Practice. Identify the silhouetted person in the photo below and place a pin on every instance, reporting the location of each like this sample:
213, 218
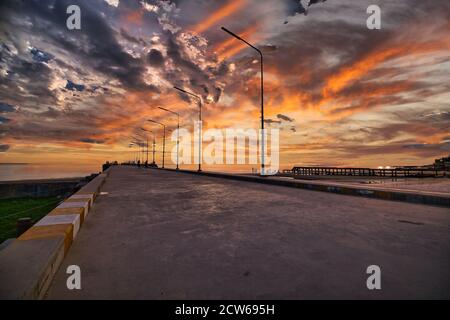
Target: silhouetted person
139, 163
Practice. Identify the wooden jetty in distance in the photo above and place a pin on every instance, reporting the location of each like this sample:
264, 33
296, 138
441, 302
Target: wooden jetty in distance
397, 172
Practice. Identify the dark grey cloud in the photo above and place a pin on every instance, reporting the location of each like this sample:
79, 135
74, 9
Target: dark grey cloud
200, 81
430, 148
155, 58
94, 141
73, 86
40, 56
5, 107
4, 120
438, 116
24, 79
51, 113
218, 93
270, 121
4, 147
284, 117
221, 70
297, 6
95, 44
71, 125
131, 38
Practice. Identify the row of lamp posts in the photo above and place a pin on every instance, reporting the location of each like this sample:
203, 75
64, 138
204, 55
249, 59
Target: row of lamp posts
200, 115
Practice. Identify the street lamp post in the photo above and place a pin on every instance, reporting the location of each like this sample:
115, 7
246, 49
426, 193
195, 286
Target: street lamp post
178, 130
262, 93
146, 144
199, 127
131, 146
153, 160
138, 142
153, 144
136, 154
164, 139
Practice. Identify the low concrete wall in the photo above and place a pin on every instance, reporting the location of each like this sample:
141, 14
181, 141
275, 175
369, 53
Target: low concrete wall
38, 188
27, 265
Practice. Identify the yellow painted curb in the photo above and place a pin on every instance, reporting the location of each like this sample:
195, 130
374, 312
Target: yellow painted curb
87, 194
64, 211
39, 232
92, 194
87, 199
87, 204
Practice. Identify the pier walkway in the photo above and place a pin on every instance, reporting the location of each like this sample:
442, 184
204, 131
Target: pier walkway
156, 234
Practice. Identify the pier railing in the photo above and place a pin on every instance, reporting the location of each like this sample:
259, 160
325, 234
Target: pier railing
367, 172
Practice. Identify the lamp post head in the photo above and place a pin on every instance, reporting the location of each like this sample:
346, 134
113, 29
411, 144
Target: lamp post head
167, 110
161, 124
239, 38
231, 33
189, 93
179, 89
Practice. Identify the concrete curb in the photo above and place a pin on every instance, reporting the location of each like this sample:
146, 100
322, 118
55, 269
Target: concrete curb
417, 197
28, 265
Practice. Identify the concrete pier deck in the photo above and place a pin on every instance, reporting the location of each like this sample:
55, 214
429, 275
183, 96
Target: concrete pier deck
166, 235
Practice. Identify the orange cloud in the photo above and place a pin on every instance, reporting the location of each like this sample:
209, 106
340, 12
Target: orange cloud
232, 46
128, 113
225, 11
134, 17
356, 71
232, 51
230, 42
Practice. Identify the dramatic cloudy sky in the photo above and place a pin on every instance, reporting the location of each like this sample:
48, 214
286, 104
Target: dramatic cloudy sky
340, 93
